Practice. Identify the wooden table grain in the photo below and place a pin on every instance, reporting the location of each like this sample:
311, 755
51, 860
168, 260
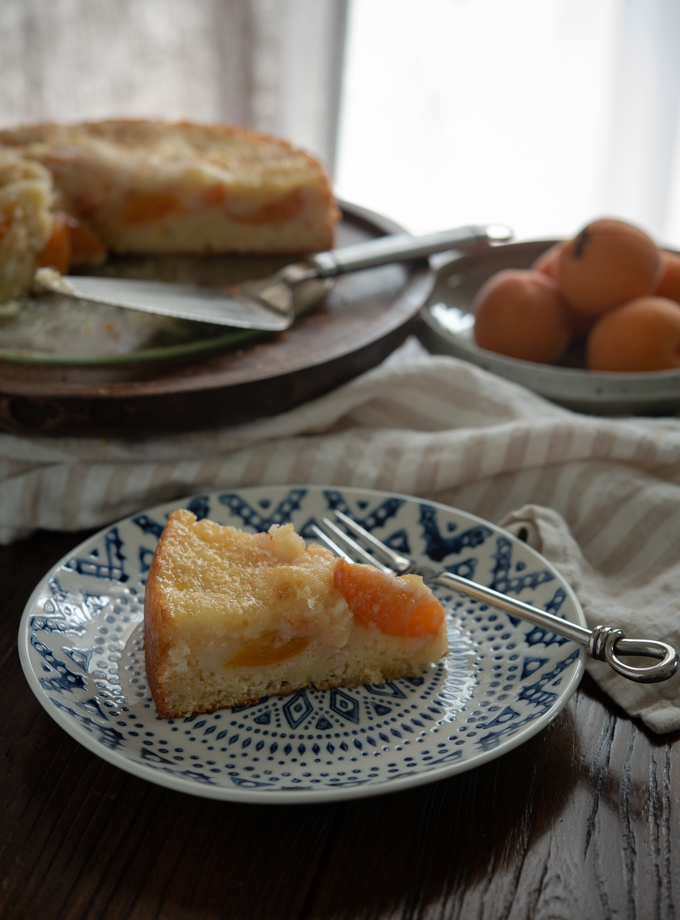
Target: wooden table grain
580, 822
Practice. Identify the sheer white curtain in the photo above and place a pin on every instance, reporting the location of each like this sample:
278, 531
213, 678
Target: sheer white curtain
538, 113
268, 64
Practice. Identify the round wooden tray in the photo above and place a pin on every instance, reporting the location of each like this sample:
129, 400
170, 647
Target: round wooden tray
364, 318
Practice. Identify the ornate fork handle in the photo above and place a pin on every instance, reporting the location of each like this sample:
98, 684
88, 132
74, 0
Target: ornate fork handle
604, 643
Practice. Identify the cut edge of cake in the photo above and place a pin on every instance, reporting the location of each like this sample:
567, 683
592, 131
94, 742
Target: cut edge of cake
26, 199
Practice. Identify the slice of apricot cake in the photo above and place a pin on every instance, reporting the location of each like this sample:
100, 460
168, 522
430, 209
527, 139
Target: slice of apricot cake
231, 617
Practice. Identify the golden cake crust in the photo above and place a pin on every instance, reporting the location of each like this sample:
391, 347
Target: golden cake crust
155, 639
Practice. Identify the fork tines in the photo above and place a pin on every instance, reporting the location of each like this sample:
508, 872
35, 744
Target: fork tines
348, 548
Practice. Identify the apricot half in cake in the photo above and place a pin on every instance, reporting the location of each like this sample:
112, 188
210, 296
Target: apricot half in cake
231, 617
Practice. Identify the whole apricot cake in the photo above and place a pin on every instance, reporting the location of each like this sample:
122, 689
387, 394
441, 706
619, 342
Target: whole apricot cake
159, 187
231, 617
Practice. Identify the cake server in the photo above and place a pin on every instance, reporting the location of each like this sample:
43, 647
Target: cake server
269, 304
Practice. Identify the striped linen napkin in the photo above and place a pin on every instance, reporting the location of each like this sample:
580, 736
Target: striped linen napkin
599, 497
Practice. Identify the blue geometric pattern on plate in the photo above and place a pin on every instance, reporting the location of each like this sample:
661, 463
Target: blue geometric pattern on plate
81, 643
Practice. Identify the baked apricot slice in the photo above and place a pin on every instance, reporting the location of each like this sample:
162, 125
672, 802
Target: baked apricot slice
267, 649
395, 606
214, 196
85, 244
608, 263
56, 253
521, 314
70, 242
643, 335
281, 209
145, 207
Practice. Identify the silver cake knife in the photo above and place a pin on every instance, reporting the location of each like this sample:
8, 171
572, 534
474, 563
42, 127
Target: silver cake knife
270, 304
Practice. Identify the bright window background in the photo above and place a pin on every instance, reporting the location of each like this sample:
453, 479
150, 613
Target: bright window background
541, 114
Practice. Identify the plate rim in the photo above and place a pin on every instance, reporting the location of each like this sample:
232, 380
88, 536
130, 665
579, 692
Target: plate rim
294, 797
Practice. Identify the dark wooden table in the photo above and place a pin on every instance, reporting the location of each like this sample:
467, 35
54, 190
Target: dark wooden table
580, 822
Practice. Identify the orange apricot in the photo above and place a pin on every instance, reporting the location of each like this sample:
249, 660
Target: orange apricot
146, 207
394, 606
7, 218
214, 195
280, 209
669, 282
268, 649
521, 314
642, 335
85, 244
608, 263
547, 261
70, 241
56, 253
579, 323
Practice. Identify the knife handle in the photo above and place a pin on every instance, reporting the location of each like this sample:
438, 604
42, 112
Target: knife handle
403, 247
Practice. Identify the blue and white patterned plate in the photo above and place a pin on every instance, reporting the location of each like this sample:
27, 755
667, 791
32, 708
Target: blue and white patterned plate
81, 646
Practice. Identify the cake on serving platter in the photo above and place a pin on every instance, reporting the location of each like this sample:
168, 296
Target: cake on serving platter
231, 617
160, 187
155, 187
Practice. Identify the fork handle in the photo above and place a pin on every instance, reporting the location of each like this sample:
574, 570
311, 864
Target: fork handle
604, 643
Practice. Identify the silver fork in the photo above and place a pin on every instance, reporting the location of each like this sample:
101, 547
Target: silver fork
604, 643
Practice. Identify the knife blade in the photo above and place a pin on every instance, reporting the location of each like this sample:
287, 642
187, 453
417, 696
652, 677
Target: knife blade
185, 301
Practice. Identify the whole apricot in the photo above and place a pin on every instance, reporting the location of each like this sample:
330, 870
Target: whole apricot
579, 323
608, 263
521, 314
669, 282
642, 335
547, 261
